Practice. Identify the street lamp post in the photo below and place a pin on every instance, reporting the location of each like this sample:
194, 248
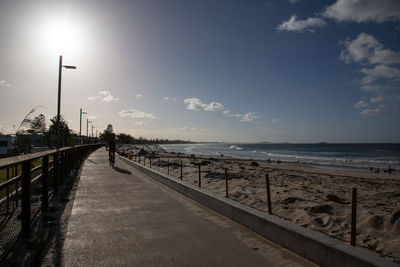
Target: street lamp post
59, 98
80, 121
87, 127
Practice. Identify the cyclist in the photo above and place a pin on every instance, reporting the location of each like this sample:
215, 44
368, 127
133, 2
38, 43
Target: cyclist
111, 150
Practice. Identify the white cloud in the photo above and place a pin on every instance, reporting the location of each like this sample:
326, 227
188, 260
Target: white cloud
237, 115
274, 120
366, 49
293, 24
104, 96
194, 129
4, 83
380, 71
377, 99
377, 88
364, 10
249, 116
138, 96
361, 104
226, 112
135, 114
196, 104
139, 123
168, 99
373, 111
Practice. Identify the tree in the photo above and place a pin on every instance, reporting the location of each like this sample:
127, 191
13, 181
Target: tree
108, 134
38, 124
67, 138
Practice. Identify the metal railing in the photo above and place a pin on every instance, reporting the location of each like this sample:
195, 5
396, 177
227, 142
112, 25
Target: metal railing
26, 184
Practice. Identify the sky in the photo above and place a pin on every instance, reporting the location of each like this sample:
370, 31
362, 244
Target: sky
296, 71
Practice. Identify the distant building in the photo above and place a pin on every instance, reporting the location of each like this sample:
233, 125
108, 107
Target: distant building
7, 144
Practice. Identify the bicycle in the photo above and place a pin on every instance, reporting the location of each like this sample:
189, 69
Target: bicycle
111, 158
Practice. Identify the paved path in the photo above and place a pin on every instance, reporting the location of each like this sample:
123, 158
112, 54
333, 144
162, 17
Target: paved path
121, 217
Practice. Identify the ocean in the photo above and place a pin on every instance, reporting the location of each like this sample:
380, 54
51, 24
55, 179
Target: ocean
339, 155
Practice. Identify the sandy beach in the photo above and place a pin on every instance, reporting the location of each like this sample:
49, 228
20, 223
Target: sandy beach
310, 196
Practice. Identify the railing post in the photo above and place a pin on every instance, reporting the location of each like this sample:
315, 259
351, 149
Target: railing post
55, 173
8, 191
150, 162
16, 186
26, 200
45, 183
226, 183
62, 167
268, 193
66, 169
353, 217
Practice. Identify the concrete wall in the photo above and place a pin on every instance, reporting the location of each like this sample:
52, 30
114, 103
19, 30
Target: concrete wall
312, 245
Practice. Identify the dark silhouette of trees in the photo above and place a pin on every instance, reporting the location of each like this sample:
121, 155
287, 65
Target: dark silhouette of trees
38, 124
67, 138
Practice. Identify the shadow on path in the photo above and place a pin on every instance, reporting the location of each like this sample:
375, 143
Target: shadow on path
122, 170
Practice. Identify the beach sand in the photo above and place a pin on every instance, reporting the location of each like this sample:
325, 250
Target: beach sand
312, 197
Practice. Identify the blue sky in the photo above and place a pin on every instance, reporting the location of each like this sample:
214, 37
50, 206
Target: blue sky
248, 71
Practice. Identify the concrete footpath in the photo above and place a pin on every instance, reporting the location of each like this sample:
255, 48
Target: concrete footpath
121, 217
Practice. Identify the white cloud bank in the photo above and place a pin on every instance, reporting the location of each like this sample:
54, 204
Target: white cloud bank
364, 10
366, 49
380, 76
196, 104
104, 96
135, 114
294, 24
249, 116
4, 83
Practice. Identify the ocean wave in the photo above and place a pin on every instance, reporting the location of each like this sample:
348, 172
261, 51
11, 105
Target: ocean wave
235, 147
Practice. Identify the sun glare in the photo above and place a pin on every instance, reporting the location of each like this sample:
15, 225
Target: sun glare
62, 36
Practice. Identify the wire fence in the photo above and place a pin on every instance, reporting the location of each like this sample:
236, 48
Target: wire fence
312, 204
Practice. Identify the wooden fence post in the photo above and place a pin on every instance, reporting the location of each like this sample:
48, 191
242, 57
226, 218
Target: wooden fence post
353, 216
45, 183
26, 200
226, 183
199, 176
181, 171
268, 193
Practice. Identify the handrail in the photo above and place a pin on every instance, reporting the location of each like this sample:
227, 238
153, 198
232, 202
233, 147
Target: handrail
23, 158
16, 193
10, 182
